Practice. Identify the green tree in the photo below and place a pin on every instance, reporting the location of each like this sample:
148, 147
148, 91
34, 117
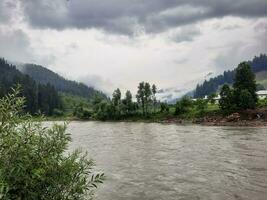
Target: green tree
128, 102
116, 100
243, 95
245, 100
116, 97
226, 102
148, 94
245, 80
33, 161
140, 96
154, 99
183, 105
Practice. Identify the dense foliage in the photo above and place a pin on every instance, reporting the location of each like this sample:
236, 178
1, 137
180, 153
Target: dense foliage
243, 95
188, 108
33, 161
44, 76
259, 63
121, 108
39, 98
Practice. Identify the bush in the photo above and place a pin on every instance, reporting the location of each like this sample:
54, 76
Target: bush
164, 108
201, 106
86, 113
33, 162
183, 106
262, 102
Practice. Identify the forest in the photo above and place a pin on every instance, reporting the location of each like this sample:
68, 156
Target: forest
40, 98
44, 76
259, 63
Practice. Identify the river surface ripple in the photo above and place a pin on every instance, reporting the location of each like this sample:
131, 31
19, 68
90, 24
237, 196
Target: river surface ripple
150, 161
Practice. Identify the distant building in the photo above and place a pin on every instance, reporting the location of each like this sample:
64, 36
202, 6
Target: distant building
216, 98
262, 94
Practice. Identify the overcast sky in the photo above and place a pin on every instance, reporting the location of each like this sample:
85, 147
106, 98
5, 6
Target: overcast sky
118, 43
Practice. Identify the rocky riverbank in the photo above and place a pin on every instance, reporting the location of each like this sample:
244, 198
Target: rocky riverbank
257, 117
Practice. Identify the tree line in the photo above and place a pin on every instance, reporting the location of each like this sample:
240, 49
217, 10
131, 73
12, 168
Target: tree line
118, 107
242, 95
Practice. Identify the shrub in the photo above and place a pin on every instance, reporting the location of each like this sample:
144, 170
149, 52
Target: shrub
164, 108
183, 106
34, 163
201, 106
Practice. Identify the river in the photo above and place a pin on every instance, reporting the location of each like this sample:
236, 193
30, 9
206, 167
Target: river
150, 161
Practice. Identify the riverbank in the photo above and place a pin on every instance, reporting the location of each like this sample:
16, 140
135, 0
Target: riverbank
206, 121
257, 117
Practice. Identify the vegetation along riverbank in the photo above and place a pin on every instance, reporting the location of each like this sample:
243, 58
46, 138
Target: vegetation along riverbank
238, 105
229, 99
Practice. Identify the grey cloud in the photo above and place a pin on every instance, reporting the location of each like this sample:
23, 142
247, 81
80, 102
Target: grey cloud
261, 27
180, 61
229, 58
185, 34
6, 10
15, 44
128, 17
221, 26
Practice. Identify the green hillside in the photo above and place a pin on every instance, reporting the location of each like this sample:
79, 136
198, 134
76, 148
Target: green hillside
40, 98
44, 76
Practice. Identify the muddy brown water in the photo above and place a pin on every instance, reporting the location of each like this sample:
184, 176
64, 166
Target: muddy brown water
150, 161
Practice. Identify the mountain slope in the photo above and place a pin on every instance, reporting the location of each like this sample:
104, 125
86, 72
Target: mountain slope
39, 97
44, 76
258, 64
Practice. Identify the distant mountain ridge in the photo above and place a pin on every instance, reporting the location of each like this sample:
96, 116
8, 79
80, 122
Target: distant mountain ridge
44, 76
258, 64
